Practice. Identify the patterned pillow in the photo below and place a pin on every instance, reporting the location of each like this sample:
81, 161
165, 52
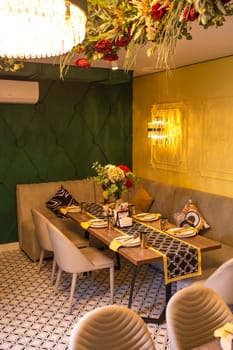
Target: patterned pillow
62, 198
142, 200
191, 216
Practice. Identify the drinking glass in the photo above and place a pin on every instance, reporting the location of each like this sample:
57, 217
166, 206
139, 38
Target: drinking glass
163, 223
143, 239
83, 208
110, 222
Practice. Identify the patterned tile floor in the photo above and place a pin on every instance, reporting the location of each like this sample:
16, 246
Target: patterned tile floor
33, 317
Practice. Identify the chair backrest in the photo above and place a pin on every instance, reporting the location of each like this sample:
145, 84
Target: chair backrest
68, 257
221, 281
112, 327
193, 314
40, 222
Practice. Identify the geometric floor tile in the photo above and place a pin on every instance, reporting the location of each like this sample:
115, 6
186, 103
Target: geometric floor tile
33, 317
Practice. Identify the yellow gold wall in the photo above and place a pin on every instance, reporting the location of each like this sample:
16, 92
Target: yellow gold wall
204, 158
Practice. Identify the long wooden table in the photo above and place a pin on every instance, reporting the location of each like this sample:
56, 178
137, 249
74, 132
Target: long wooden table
140, 256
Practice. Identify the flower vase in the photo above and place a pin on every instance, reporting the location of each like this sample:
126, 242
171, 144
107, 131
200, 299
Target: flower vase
118, 203
106, 201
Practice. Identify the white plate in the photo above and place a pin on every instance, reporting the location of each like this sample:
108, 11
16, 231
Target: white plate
181, 232
74, 209
128, 241
97, 223
147, 217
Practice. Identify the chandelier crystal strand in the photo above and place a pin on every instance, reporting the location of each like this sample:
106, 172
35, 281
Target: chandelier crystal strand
39, 28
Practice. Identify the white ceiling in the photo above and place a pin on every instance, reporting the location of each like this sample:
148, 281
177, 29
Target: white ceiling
207, 44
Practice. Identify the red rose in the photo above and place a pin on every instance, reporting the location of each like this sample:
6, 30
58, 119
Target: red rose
158, 11
111, 57
103, 46
124, 168
189, 14
122, 42
82, 63
129, 183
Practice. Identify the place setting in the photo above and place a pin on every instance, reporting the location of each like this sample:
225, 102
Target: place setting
94, 223
182, 232
125, 241
147, 217
70, 209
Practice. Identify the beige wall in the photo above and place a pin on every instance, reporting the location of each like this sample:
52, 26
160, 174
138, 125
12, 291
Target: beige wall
204, 158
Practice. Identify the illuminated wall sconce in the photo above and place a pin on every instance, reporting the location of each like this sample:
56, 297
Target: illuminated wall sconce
166, 133
157, 130
165, 127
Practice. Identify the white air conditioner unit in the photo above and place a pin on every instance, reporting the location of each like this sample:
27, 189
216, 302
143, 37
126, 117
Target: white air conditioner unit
15, 91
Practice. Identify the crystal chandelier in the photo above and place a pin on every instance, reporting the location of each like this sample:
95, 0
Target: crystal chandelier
40, 28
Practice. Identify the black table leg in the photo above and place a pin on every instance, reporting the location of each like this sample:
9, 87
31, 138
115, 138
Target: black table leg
162, 317
118, 264
168, 293
132, 285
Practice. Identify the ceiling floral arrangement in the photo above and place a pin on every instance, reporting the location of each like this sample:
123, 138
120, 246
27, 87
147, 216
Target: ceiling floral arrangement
114, 25
130, 24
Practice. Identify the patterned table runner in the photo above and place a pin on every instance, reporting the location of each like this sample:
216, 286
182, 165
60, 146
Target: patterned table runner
181, 260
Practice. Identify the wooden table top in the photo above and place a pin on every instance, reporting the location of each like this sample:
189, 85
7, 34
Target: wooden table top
138, 255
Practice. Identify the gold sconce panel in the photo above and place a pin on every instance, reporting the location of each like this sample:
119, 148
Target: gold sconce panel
166, 132
165, 125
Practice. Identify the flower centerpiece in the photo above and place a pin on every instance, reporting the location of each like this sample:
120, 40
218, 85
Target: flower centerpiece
114, 179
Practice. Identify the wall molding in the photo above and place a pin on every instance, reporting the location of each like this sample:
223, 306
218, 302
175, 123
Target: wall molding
217, 145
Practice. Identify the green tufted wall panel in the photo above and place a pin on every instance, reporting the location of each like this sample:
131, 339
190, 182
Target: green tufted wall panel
73, 125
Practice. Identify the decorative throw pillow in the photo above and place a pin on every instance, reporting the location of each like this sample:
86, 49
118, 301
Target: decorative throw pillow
62, 198
142, 200
191, 216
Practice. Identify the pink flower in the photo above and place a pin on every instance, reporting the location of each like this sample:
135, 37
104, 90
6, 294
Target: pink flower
103, 46
82, 63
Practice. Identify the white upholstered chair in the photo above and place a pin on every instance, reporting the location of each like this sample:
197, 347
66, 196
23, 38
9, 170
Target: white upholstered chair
193, 314
219, 279
71, 259
112, 327
40, 222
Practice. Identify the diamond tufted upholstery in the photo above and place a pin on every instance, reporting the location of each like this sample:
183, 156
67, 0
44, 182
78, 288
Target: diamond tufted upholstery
72, 125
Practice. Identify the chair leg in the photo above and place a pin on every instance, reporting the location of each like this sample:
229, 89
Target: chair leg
112, 284
41, 259
58, 279
72, 290
53, 270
